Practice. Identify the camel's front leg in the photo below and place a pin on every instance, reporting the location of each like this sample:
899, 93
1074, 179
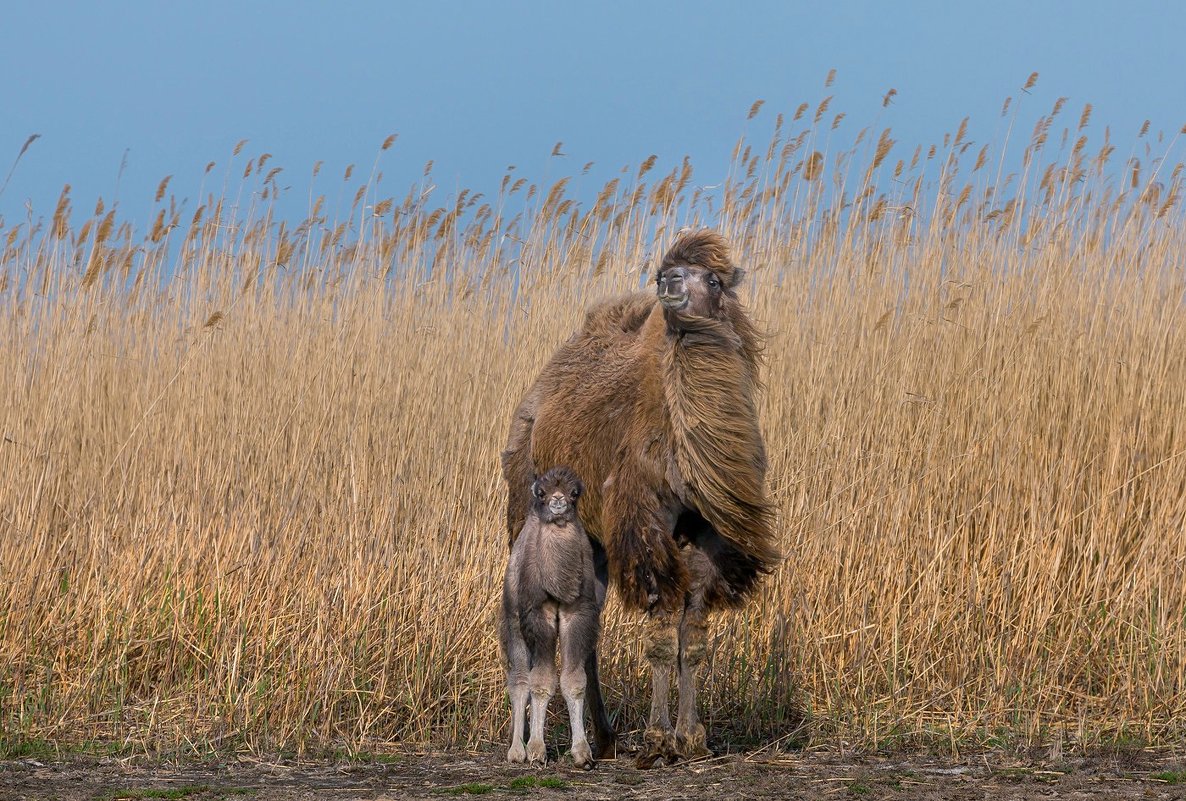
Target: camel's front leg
662, 646
693, 637
517, 688
652, 576
541, 680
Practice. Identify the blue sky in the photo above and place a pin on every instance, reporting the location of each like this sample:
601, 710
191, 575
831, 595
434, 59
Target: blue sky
480, 85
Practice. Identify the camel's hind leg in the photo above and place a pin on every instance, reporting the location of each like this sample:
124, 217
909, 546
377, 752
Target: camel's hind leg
689, 731
578, 636
662, 648
701, 553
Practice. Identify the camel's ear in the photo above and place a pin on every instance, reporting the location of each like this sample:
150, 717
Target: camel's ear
737, 277
537, 490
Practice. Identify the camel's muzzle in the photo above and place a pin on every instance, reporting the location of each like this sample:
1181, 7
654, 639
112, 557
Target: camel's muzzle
673, 290
557, 505
674, 302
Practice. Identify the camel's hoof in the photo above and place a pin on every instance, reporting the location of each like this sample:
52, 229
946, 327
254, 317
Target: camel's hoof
582, 756
658, 749
517, 753
605, 748
647, 760
537, 754
692, 744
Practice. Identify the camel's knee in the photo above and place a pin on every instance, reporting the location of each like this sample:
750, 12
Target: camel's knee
542, 682
516, 677
662, 643
543, 689
661, 649
518, 692
694, 648
573, 682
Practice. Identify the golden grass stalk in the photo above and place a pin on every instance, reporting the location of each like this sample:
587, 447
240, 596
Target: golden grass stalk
250, 493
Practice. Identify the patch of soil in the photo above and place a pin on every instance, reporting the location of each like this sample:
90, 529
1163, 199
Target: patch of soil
442, 775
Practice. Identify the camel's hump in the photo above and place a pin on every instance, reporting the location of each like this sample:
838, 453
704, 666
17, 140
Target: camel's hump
623, 314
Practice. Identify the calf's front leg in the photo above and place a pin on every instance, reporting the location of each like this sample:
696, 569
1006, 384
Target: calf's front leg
517, 689
542, 683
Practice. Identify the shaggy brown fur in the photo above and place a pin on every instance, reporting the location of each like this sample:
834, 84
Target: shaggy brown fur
655, 409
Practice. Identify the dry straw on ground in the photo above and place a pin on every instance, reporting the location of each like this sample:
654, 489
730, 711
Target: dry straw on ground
249, 487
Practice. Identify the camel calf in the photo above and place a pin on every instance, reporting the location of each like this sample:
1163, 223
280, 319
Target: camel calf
549, 590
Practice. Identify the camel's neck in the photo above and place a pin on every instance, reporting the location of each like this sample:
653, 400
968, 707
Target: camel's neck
713, 363
710, 380
709, 370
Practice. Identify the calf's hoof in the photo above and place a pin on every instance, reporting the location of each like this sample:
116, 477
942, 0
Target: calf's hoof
582, 756
691, 743
517, 753
537, 754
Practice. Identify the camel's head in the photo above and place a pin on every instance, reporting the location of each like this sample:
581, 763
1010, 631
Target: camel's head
696, 275
556, 493
689, 290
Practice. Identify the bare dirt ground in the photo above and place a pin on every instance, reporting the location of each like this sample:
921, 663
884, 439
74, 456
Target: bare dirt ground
437, 775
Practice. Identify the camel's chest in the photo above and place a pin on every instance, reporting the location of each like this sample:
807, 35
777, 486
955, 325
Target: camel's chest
560, 571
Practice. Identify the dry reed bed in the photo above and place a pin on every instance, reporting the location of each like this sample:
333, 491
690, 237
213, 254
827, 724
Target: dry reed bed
249, 488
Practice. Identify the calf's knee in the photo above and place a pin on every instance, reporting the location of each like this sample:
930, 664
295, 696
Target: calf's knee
542, 683
572, 683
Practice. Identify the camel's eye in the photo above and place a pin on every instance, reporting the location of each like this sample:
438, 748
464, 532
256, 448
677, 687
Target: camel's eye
714, 283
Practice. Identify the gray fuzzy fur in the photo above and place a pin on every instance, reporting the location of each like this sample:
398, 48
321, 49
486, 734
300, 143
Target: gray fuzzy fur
550, 593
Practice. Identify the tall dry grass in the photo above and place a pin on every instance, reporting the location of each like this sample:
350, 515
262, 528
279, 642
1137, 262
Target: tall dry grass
249, 485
